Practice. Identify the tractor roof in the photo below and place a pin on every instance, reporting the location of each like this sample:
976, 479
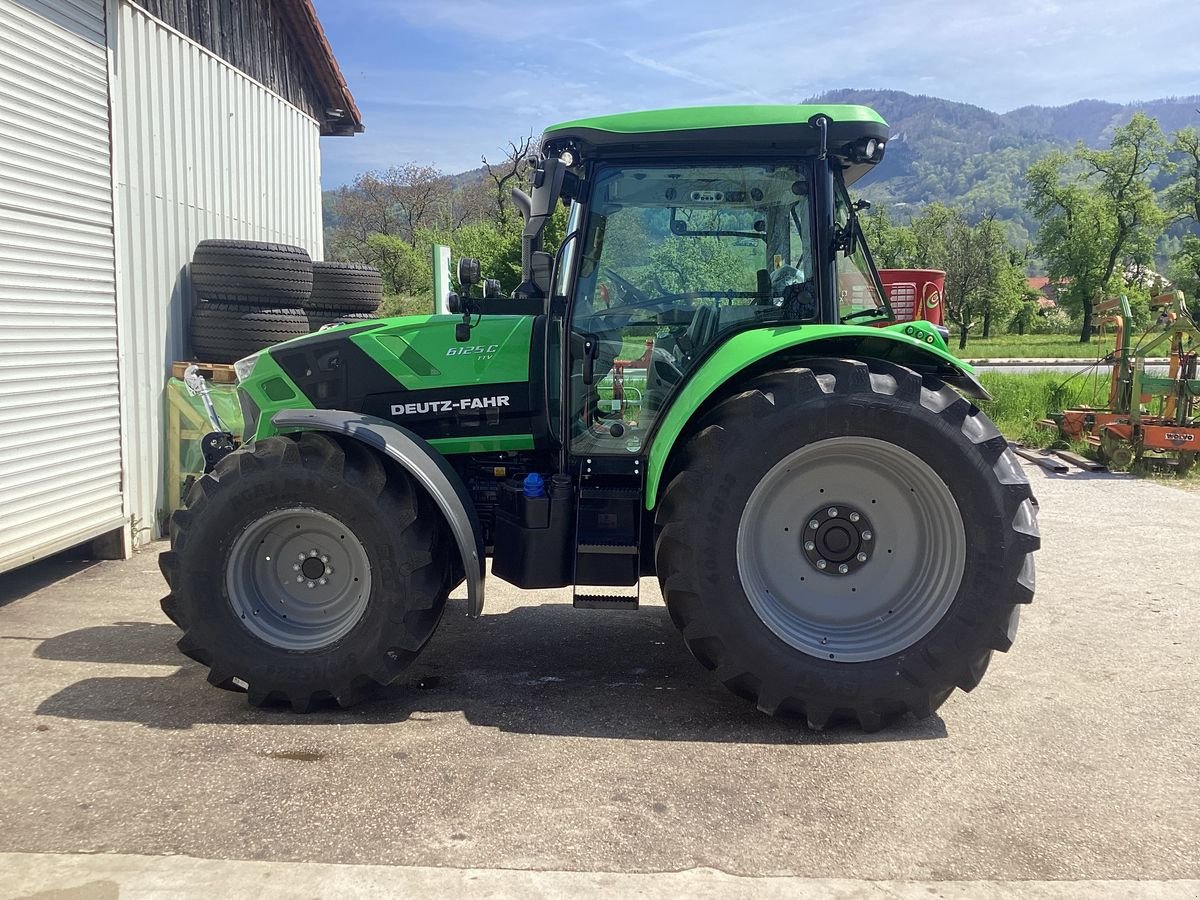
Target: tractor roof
719, 129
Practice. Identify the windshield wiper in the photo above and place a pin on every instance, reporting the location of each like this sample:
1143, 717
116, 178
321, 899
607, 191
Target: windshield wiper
863, 313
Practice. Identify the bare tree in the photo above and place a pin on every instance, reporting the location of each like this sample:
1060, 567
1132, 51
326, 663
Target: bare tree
506, 173
424, 195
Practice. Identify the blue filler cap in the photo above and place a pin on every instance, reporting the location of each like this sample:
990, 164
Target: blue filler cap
534, 485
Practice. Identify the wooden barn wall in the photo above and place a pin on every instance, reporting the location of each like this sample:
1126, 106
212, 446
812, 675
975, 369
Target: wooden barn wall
251, 36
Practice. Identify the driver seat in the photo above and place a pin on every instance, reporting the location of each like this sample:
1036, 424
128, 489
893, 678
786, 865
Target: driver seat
701, 330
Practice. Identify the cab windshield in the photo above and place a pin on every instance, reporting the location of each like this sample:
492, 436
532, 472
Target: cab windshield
673, 259
860, 297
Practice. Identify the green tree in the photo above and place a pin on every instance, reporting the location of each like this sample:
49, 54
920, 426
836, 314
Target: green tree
1183, 197
981, 277
1008, 290
892, 246
1183, 201
681, 264
1185, 268
1098, 212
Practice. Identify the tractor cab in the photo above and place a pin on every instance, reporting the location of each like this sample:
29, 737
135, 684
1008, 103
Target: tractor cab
687, 226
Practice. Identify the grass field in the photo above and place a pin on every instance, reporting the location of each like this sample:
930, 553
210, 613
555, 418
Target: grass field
1032, 346
1020, 400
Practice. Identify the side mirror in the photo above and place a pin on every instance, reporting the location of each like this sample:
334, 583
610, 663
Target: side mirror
468, 272
542, 265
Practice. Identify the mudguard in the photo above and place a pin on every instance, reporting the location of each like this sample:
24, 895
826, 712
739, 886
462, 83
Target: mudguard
916, 344
421, 461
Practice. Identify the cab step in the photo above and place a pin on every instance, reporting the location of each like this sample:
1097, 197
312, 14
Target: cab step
604, 601
616, 549
608, 531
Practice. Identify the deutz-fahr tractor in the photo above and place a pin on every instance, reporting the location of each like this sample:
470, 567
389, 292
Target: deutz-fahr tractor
701, 382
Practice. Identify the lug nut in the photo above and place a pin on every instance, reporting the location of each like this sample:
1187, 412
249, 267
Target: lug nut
833, 512
843, 568
821, 564
866, 535
301, 557
299, 578
810, 546
321, 581
312, 584
324, 559
813, 524
862, 557
295, 567
312, 553
854, 517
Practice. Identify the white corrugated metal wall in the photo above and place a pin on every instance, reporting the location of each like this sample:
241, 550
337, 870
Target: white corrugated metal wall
60, 439
199, 151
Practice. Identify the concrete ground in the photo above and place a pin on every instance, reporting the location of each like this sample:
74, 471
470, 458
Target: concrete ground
547, 751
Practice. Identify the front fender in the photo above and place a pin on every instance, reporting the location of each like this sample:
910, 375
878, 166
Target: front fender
915, 344
421, 461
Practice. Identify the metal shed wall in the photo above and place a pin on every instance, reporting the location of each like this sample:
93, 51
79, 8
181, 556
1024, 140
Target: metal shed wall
200, 150
60, 439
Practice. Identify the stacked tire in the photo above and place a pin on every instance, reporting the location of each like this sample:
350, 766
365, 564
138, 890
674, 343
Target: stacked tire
249, 295
342, 292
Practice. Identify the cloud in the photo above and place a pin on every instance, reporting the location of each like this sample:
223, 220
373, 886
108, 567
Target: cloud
446, 81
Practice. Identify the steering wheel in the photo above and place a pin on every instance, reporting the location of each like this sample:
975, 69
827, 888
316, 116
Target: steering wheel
625, 284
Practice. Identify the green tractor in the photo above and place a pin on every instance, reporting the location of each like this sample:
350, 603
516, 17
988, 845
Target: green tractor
701, 382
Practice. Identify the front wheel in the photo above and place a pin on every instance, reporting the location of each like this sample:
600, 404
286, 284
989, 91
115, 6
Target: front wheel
306, 569
846, 540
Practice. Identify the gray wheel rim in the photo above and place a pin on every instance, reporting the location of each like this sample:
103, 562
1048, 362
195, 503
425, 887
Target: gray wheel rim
898, 595
298, 578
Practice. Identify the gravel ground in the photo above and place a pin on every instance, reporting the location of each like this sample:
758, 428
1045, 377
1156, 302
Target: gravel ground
546, 738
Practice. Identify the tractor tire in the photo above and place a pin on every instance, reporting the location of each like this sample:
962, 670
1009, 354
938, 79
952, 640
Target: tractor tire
346, 286
251, 272
226, 332
320, 316
306, 569
814, 559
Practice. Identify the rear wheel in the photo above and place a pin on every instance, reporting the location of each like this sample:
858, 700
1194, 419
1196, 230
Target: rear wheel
844, 540
305, 569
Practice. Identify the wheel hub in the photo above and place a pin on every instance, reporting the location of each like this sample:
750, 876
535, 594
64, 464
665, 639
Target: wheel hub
838, 539
298, 578
903, 563
312, 567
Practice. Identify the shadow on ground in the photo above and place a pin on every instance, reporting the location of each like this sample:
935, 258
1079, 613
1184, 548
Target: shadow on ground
31, 579
547, 669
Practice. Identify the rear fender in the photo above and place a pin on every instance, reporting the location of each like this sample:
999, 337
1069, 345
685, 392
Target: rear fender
424, 464
914, 344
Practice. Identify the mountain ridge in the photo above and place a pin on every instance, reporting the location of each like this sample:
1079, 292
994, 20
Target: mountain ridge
965, 155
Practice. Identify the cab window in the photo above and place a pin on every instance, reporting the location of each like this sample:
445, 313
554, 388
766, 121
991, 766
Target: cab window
672, 260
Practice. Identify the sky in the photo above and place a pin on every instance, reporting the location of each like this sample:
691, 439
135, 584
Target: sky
444, 82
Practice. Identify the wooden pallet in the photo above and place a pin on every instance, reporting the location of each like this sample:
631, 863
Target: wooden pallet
1049, 463
1088, 465
214, 373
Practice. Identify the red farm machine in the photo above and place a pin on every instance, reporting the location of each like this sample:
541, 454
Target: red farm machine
915, 294
1150, 417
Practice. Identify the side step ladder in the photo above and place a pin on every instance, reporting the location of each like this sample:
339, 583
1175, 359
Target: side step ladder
608, 531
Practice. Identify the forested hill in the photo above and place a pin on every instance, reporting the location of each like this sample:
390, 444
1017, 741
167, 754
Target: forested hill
966, 156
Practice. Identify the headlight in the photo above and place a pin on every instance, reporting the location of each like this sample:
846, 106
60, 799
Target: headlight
243, 367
